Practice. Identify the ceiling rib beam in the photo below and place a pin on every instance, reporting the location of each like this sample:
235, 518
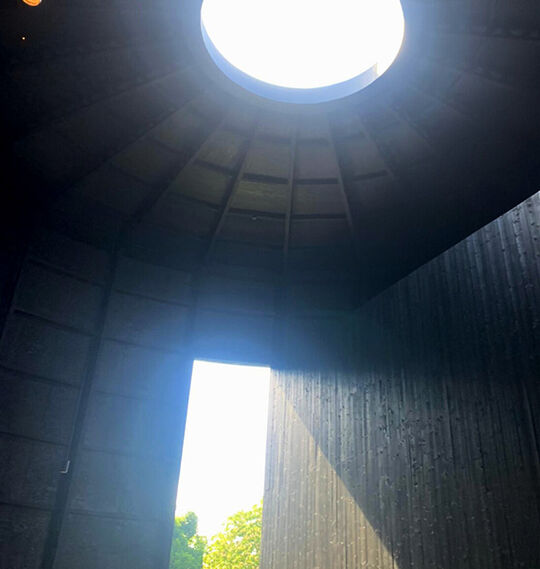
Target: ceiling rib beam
390, 169
230, 192
343, 192
293, 145
153, 198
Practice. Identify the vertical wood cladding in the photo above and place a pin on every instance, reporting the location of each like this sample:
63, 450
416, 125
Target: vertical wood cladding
420, 449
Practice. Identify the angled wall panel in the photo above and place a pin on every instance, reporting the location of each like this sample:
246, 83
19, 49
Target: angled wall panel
421, 449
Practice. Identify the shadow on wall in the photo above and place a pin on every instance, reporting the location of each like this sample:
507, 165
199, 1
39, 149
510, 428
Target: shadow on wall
423, 451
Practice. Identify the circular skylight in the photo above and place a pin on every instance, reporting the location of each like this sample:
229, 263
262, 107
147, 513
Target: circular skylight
303, 51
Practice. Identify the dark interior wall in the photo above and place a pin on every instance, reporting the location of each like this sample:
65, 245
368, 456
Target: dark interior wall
420, 447
95, 361
409, 447
44, 348
95, 368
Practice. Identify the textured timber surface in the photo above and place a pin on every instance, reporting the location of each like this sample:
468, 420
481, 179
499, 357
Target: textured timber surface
419, 449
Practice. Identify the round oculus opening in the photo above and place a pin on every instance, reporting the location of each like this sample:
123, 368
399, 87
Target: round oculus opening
303, 51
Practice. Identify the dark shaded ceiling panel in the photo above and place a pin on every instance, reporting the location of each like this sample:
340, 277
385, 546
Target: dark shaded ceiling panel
312, 126
128, 131
79, 259
146, 105
268, 158
247, 254
114, 188
403, 146
147, 161
154, 244
183, 131
279, 126
200, 183
517, 19
447, 129
225, 149
379, 195
84, 219
250, 296
253, 228
507, 61
97, 131
337, 261
359, 156
317, 199
315, 160
470, 92
56, 161
319, 232
248, 273
241, 118
183, 216
258, 196
153, 281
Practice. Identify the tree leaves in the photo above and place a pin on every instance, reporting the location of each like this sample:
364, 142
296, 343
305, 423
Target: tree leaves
238, 546
187, 548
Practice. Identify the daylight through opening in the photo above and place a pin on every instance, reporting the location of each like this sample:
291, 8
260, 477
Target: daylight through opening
221, 484
303, 50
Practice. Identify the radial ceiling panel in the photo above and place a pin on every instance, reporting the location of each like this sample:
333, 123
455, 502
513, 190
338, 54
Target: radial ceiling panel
118, 111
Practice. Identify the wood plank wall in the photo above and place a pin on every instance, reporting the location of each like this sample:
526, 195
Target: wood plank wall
420, 448
93, 369
95, 360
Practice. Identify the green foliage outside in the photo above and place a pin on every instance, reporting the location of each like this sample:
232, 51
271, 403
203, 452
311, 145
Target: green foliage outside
187, 548
238, 546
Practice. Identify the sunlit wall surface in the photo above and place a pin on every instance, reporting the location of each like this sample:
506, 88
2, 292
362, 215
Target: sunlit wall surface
303, 50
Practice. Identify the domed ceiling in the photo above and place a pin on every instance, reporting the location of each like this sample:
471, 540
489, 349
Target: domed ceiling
126, 132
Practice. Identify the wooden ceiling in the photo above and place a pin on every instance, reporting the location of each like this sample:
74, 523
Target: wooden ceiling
130, 135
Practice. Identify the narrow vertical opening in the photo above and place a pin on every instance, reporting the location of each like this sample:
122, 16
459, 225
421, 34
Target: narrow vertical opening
220, 489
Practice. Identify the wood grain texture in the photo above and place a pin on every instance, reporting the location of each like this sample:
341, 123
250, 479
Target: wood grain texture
419, 448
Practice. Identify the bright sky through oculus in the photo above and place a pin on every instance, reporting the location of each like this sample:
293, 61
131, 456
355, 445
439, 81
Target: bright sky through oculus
305, 44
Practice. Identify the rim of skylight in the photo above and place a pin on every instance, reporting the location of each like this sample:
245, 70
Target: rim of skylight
363, 36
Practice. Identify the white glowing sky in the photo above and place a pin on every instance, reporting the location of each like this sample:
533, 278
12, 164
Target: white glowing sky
225, 443
305, 43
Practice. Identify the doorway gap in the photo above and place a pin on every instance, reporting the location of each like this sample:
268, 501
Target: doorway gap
223, 457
